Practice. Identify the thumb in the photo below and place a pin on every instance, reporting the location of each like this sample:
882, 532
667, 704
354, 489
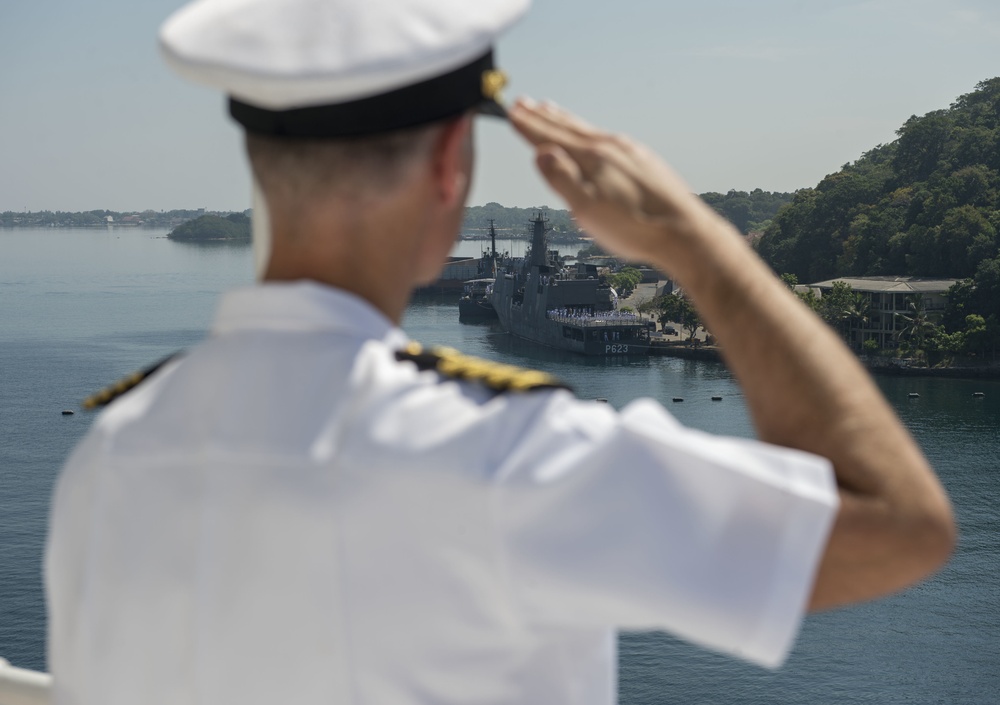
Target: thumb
562, 172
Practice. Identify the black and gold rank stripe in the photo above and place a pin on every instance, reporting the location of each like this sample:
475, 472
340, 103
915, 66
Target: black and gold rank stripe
496, 376
113, 391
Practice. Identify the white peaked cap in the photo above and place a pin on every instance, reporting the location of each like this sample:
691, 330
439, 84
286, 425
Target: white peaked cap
339, 68
286, 54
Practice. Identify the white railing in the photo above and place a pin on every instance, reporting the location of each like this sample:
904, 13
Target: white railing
19, 686
596, 320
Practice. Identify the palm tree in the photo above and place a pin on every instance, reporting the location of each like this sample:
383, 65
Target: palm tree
836, 306
919, 323
857, 313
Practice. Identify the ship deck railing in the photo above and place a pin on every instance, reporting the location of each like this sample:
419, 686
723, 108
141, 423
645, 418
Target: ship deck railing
594, 321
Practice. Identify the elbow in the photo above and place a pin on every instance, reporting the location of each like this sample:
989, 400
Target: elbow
936, 537
874, 552
925, 543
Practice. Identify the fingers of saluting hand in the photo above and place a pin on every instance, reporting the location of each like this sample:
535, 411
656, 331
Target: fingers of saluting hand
545, 128
564, 174
580, 161
546, 122
592, 149
619, 191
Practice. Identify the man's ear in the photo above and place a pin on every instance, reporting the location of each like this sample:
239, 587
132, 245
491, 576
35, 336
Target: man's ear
452, 161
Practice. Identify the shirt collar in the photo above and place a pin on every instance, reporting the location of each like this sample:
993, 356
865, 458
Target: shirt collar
303, 306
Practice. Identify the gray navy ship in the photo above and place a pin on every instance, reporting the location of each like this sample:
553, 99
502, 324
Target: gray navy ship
542, 301
475, 304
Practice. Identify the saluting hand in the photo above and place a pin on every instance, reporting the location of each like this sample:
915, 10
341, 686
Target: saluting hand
620, 192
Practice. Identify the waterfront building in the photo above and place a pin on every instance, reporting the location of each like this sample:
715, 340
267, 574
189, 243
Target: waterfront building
890, 300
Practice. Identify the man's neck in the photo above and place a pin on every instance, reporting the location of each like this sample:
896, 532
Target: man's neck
364, 253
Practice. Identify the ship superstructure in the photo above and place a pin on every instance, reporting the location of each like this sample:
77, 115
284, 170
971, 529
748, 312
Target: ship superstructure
475, 304
571, 309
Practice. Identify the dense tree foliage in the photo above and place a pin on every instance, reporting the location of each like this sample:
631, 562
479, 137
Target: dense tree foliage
515, 222
591, 250
674, 308
927, 204
235, 226
625, 280
749, 212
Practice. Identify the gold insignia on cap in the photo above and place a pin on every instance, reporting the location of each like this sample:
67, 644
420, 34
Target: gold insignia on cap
501, 378
493, 82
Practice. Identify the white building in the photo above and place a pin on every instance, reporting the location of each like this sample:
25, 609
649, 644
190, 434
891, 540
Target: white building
889, 299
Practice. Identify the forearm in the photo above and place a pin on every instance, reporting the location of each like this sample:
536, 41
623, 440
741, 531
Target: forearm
806, 390
803, 387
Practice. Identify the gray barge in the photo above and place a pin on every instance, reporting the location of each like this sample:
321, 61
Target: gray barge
541, 301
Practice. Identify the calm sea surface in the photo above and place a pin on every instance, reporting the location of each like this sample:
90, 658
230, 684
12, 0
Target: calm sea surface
79, 308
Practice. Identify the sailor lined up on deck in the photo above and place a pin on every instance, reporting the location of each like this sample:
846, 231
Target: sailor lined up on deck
589, 314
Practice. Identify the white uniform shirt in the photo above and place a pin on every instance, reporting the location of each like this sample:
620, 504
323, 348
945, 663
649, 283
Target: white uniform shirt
288, 514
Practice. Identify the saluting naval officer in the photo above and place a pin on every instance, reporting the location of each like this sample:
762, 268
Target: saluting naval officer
302, 509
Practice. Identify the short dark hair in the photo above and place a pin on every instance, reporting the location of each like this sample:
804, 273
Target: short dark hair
298, 169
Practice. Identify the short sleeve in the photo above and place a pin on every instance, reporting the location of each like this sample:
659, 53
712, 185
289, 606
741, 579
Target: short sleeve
631, 520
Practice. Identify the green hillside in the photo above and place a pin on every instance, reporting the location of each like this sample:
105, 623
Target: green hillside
749, 212
927, 204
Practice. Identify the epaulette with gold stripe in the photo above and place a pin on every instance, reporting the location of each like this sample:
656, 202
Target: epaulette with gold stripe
496, 376
113, 391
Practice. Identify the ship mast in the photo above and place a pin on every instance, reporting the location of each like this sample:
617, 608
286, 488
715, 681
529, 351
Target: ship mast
539, 249
493, 240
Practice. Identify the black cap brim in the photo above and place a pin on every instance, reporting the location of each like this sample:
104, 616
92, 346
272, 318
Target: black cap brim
434, 99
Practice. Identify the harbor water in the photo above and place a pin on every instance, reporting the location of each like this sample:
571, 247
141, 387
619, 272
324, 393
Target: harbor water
80, 308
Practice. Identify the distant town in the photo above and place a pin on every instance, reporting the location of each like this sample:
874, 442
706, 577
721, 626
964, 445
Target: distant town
103, 218
509, 225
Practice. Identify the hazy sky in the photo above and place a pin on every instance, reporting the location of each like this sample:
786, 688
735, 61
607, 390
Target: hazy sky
772, 94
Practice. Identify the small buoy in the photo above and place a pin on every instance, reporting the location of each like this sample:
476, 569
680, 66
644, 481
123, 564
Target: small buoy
913, 395
67, 412
678, 398
716, 398
978, 394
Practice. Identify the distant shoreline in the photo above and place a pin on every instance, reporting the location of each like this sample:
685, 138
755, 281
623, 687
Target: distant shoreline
888, 368
463, 236
989, 371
